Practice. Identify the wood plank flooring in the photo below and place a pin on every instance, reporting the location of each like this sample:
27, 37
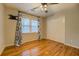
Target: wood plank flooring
41, 48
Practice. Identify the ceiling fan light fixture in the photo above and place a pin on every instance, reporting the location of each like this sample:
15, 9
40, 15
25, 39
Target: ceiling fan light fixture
45, 8
46, 11
45, 5
41, 7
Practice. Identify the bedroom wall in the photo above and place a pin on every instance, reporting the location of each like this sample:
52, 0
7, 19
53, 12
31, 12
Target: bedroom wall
2, 42
65, 32
11, 28
72, 27
56, 27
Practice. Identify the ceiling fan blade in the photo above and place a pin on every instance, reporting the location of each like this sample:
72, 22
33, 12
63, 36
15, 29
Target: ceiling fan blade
34, 8
52, 3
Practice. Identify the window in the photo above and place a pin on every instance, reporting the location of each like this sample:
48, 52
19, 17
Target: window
34, 26
29, 26
25, 25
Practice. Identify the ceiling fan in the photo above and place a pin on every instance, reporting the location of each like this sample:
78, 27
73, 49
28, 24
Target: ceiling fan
43, 6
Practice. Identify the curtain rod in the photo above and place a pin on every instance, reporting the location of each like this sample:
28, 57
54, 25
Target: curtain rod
13, 17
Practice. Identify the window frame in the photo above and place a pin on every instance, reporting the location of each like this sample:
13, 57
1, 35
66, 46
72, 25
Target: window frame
30, 26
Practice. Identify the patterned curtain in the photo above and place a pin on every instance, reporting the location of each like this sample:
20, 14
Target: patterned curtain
39, 32
18, 36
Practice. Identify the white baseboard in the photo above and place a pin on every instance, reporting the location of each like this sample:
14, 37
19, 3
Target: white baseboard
66, 43
72, 45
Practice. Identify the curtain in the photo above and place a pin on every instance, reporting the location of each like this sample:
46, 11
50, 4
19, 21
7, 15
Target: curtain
39, 29
18, 35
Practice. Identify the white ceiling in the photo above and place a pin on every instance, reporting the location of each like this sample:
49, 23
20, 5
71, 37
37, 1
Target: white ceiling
26, 7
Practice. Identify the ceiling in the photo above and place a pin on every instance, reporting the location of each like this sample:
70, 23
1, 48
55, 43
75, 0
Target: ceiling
52, 9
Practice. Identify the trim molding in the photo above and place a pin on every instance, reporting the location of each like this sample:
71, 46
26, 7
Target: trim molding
65, 44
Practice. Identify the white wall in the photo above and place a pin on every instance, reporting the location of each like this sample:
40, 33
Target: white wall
10, 27
56, 27
72, 27
2, 45
68, 32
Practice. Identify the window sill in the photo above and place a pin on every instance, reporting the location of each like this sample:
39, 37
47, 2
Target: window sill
30, 33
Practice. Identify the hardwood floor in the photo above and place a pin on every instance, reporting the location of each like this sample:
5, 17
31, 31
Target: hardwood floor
41, 48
